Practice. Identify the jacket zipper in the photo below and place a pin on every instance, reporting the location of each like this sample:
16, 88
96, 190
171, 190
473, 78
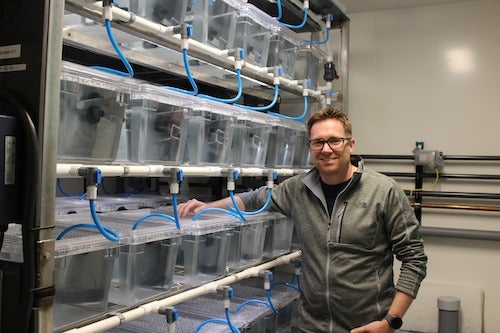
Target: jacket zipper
328, 259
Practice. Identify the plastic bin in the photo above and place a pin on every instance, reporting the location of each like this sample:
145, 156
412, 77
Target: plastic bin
205, 246
204, 252
251, 138
283, 139
214, 22
254, 29
247, 244
166, 12
155, 127
92, 105
146, 264
83, 266
302, 156
283, 51
210, 133
278, 236
309, 65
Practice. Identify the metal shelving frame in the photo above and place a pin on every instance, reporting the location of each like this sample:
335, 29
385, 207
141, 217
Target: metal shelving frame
44, 108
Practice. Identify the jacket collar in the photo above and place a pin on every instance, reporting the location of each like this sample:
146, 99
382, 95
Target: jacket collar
312, 180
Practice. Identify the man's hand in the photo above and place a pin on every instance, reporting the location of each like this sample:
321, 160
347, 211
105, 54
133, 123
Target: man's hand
379, 326
192, 205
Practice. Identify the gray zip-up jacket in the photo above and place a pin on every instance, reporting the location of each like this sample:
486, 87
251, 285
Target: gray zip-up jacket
347, 259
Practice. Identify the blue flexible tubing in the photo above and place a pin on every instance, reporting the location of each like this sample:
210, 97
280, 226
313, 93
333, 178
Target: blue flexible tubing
176, 212
263, 208
211, 209
268, 295
122, 57
280, 10
229, 100
267, 107
108, 233
236, 207
327, 37
285, 284
189, 76
113, 236
295, 276
304, 20
258, 301
85, 225
165, 216
233, 328
299, 118
216, 321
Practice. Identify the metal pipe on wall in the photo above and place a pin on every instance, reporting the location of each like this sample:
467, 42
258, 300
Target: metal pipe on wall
445, 157
462, 207
461, 233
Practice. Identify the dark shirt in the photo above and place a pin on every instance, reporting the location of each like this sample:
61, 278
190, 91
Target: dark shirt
331, 193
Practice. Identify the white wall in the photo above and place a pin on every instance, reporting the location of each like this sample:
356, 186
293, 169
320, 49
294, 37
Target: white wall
431, 74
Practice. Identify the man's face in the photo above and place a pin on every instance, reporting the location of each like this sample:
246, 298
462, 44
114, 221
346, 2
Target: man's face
330, 162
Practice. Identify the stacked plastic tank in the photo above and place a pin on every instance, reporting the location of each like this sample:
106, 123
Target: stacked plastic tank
251, 136
254, 29
283, 142
152, 257
146, 263
309, 65
106, 118
210, 133
221, 25
84, 263
206, 313
213, 22
92, 107
155, 127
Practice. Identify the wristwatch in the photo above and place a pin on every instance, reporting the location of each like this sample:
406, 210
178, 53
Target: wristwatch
394, 321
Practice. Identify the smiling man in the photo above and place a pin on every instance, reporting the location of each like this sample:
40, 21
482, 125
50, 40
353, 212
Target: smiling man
350, 222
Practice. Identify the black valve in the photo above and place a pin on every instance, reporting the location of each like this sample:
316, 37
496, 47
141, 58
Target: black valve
330, 72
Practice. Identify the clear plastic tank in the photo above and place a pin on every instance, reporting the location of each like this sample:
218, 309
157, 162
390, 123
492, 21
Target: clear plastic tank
92, 106
254, 29
210, 133
146, 264
283, 140
278, 236
251, 138
155, 127
213, 22
302, 157
283, 51
309, 65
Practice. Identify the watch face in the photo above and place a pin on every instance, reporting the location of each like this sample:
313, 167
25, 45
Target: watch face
396, 322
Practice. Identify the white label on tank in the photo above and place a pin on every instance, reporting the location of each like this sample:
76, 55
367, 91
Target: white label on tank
10, 160
10, 51
12, 68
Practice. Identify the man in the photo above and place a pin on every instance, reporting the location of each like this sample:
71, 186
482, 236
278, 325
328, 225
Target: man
350, 222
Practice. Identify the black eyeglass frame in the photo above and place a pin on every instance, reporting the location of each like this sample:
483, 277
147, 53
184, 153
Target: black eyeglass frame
329, 142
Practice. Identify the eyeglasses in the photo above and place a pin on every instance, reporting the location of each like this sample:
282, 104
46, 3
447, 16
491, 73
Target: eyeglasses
333, 143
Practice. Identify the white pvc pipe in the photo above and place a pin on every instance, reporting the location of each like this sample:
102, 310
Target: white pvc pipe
67, 170
152, 307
